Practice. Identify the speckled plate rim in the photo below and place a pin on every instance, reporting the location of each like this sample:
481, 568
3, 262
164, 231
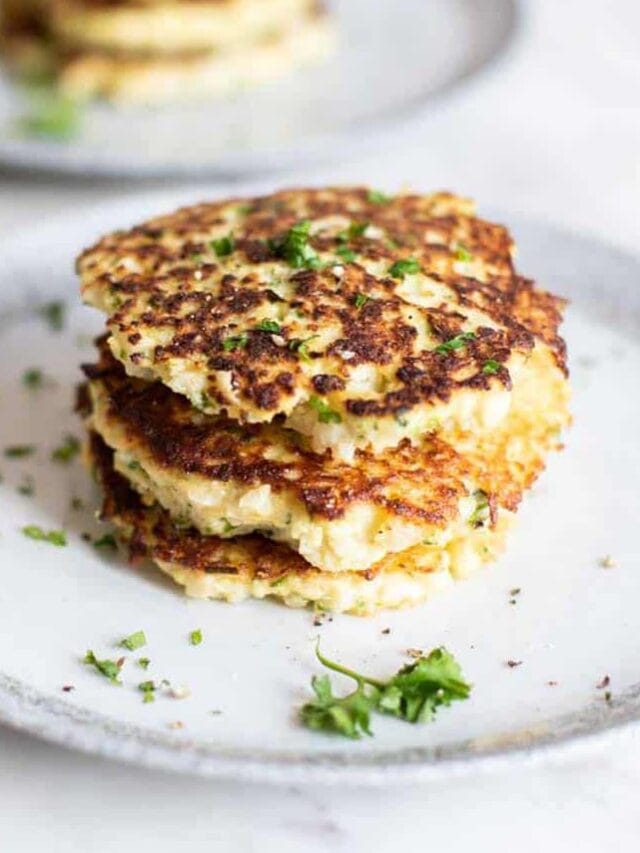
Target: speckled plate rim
394, 123
550, 741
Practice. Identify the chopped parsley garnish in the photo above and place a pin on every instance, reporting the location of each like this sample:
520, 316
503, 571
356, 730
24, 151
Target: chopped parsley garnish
144, 663
195, 637
53, 537
377, 197
360, 299
355, 230
294, 247
134, 641
346, 254
224, 246
491, 367
106, 541
33, 378
235, 342
462, 253
148, 689
109, 668
301, 346
19, 451
271, 326
413, 694
482, 512
455, 343
67, 451
405, 266
54, 315
53, 116
326, 415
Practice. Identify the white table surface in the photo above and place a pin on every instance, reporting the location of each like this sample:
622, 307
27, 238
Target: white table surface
554, 132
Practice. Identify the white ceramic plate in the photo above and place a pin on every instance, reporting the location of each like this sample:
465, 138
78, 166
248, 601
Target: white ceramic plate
395, 57
574, 621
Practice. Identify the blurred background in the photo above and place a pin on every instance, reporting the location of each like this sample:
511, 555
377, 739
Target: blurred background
532, 108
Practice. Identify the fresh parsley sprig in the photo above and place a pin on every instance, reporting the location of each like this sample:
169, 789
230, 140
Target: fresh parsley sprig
413, 694
294, 248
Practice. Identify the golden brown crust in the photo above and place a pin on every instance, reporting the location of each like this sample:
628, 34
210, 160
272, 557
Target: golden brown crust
423, 484
163, 279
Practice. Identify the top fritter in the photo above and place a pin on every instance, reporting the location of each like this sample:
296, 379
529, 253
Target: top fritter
362, 319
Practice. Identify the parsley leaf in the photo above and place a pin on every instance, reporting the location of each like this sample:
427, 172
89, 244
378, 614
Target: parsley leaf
19, 451
53, 116
235, 342
106, 541
54, 315
66, 452
271, 326
462, 253
360, 299
346, 254
109, 668
134, 641
195, 637
148, 689
455, 343
326, 415
405, 266
144, 663
33, 378
377, 197
413, 694
491, 367
53, 537
224, 246
482, 512
294, 247
417, 691
348, 716
300, 346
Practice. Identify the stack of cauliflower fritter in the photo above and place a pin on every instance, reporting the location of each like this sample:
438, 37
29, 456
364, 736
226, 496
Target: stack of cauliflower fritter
158, 50
327, 396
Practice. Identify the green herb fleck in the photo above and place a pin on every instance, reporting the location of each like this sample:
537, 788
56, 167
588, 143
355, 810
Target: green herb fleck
455, 343
413, 694
347, 255
76, 504
377, 197
405, 266
106, 541
144, 663
301, 347
33, 378
19, 451
355, 230
271, 326
491, 367
67, 451
54, 315
235, 342
134, 641
148, 689
462, 253
195, 637
109, 668
53, 537
27, 487
360, 299
224, 246
482, 512
326, 415
53, 116
294, 247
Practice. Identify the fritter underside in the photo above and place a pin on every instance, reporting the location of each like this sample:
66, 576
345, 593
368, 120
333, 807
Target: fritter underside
251, 566
388, 306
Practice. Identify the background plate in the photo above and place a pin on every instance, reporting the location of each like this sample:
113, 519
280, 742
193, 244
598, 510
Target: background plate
395, 57
574, 621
